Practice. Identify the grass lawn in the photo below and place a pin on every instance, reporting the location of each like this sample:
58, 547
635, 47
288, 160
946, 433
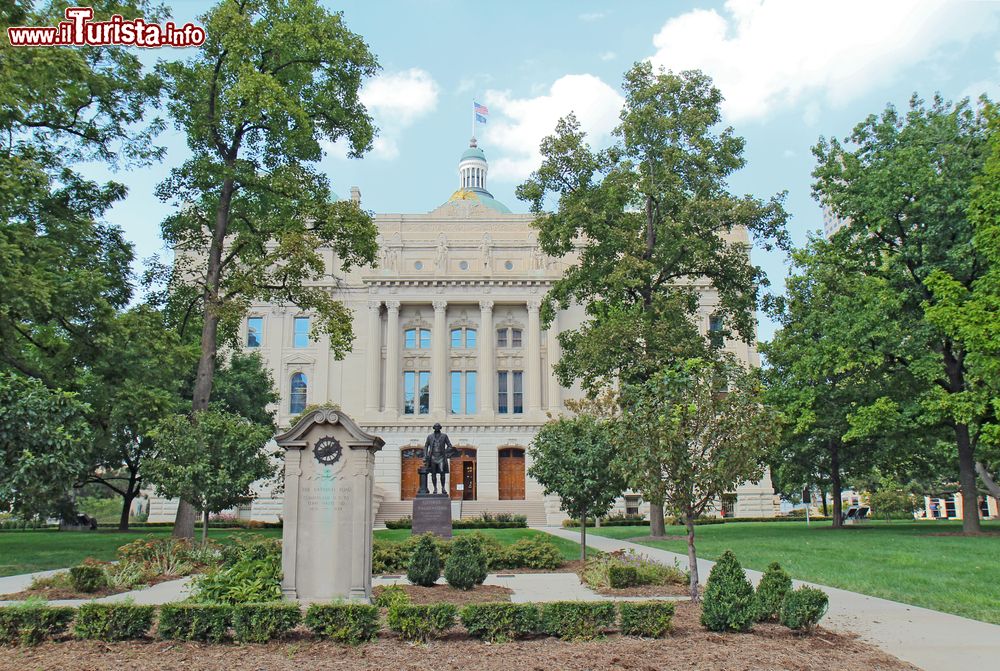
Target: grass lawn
30, 551
569, 550
902, 561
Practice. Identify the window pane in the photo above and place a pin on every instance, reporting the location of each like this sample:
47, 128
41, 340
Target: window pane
501, 337
410, 338
299, 389
456, 338
255, 331
502, 391
301, 333
425, 339
518, 391
408, 394
515, 337
470, 392
425, 392
715, 335
470, 338
456, 392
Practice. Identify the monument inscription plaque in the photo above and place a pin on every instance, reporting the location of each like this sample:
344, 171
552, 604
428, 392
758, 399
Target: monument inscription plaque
328, 513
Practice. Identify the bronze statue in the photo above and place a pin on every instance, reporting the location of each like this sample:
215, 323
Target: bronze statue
437, 451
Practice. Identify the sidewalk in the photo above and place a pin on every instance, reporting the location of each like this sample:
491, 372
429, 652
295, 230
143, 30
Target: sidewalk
164, 592
930, 639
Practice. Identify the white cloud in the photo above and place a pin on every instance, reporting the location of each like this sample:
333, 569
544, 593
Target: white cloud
592, 16
770, 54
518, 125
608, 56
395, 101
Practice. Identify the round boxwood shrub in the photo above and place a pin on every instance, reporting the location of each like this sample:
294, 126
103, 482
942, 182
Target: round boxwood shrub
803, 608
425, 562
88, 578
728, 603
771, 591
466, 566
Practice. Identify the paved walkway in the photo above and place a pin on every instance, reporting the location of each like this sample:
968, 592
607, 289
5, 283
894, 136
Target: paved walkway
930, 639
164, 592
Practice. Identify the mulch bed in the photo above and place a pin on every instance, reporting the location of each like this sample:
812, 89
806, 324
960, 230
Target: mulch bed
769, 646
459, 597
646, 590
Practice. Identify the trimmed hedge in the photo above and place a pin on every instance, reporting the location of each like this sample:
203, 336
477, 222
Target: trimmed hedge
194, 622
577, 620
422, 622
501, 622
623, 575
485, 521
390, 595
263, 622
88, 578
645, 618
113, 621
728, 604
803, 608
32, 623
350, 623
774, 585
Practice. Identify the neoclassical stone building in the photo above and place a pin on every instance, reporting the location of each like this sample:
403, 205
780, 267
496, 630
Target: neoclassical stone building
447, 330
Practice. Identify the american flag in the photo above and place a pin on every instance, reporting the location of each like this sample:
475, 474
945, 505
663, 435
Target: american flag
481, 109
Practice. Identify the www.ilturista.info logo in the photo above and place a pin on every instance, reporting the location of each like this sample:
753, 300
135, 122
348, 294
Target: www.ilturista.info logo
79, 30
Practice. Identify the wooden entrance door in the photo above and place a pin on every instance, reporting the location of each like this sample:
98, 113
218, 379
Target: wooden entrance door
511, 474
463, 472
409, 478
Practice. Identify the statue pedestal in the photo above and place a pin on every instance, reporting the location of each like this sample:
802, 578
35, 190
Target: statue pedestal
432, 512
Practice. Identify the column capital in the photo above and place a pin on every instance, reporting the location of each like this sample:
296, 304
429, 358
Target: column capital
534, 304
392, 305
440, 305
374, 305
486, 305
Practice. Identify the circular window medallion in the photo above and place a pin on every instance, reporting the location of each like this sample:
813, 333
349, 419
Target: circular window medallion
418, 265
327, 451
464, 265
509, 265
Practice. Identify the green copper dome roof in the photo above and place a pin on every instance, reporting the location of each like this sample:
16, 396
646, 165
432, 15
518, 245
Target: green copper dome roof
473, 152
482, 196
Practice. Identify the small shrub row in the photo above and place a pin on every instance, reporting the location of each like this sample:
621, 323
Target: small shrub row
730, 602
351, 623
534, 551
484, 521
614, 520
421, 622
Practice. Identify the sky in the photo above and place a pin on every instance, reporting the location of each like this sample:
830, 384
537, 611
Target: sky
790, 71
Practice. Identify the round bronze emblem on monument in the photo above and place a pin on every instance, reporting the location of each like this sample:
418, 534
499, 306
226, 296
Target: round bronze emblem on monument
327, 451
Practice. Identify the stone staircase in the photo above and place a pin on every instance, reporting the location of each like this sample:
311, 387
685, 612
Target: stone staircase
533, 510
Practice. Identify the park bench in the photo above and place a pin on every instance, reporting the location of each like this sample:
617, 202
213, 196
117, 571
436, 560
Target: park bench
855, 514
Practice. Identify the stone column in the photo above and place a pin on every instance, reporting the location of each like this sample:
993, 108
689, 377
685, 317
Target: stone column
392, 370
439, 361
533, 367
290, 515
552, 347
487, 338
374, 358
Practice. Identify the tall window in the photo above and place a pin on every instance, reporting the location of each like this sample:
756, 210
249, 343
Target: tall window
297, 397
463, 382
255, 331
416, 392
510, 392
716, 336
509, 337
463, 338
300, 334
417, 338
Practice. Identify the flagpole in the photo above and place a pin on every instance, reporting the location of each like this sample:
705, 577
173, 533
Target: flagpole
473, 119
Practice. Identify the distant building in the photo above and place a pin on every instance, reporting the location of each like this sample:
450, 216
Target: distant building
831, 222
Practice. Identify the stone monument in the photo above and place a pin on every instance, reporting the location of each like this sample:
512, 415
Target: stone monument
326, 550
432, 512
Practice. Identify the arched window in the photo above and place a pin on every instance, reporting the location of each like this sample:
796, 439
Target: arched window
297, 398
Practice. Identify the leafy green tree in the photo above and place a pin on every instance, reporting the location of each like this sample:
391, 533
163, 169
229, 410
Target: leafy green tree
244, 386
970, 313
575, 458
43, 447
890, 500
273, 80
695, 432
653, 221
903, 182
211, 460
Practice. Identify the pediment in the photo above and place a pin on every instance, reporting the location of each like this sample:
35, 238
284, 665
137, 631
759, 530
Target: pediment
295, 436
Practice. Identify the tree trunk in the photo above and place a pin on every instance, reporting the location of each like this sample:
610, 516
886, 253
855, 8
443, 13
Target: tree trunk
656, 528
991, 485
967, 480
184, 522
127, 499
836, 489
692, 558
826, 511
204, 527
583, 537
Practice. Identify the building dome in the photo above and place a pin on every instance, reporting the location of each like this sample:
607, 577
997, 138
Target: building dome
472, 171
